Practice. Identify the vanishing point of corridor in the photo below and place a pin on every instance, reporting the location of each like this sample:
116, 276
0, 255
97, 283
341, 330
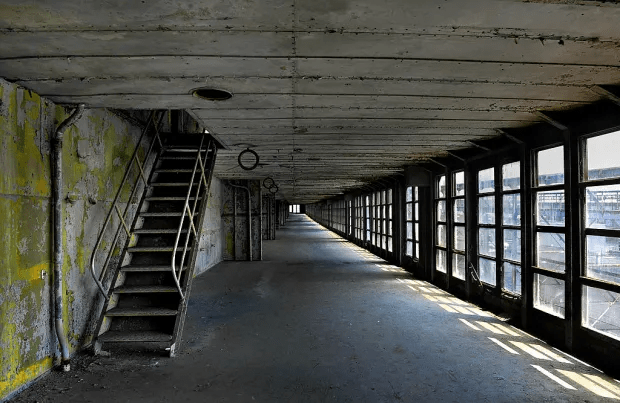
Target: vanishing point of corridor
322, 320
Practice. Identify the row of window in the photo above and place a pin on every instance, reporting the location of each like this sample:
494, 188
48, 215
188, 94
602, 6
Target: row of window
499, 226
496, 256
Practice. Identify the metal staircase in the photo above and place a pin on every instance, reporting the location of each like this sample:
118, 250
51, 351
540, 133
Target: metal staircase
153, 252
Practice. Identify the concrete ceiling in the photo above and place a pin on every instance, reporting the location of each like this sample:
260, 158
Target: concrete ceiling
332, 94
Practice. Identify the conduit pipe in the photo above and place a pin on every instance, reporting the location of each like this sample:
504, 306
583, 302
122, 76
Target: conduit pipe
247, 189
57, 220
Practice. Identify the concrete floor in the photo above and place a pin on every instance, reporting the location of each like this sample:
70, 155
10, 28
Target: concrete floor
321, 320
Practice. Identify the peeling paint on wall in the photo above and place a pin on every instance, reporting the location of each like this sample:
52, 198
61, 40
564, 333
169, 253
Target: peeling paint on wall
96, 153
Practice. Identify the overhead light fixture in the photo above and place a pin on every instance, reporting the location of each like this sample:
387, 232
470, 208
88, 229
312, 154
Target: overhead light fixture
212, 94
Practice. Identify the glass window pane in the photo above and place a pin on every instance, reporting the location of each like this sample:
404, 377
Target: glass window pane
417, 249
550, 251
440, 262
409, 230
459, 238
486, 210
415, 193
459, 210
486, 180
603, 160
487, 271
601, 311
441, 211
409, 194
417, 211
389, 196
512, 244
459, 184
389, 244
551, 166
458, 266
603, 258
441, 187
512, 278
549, 294
603, 207
550, 208
511, 176
409, 249
417, 232
441, 235
511, 206
486, 241
409, 211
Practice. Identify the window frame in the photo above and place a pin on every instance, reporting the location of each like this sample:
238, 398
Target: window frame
503, 227
437, 248
585, 281
494, 226
414, 240
547, 229
451, 207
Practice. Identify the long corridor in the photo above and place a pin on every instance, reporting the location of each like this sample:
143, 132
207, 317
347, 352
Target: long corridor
322, 320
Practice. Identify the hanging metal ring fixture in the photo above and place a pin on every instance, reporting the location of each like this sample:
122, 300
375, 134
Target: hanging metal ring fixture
268, 182
271, 189
251, 152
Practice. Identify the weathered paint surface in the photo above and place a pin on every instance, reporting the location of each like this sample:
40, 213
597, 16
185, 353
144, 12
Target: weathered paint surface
235, 232
96, 152
211, 247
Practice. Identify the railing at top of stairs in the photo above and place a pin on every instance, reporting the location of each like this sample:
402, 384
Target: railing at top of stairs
190, 212
123, 216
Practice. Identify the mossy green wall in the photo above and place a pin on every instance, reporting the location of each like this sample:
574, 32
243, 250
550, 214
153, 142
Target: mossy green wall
96, 152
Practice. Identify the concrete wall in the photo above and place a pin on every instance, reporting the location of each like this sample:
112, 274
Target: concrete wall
95, 155
235, 220
211, 244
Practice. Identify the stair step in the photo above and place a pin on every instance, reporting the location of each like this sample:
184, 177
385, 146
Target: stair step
115, 336
140, 289
165, 157
147, 231
165, 214
135, 249
175, 171
185, 184
184, 149
170, 198
146, 311
149, 268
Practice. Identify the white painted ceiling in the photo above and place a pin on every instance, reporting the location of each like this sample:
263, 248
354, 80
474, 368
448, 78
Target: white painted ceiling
332, 94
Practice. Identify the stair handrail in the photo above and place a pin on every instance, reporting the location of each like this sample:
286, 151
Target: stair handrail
190, 212
135, 159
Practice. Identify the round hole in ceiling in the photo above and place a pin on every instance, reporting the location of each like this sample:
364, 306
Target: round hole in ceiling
212, 94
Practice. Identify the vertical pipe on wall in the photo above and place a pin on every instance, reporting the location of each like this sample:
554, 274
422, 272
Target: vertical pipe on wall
57, 233
234, 226
249, 221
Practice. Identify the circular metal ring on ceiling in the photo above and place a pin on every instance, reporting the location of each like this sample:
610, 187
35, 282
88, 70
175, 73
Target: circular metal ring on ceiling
271, 189
212, 94
248, 167
268, 182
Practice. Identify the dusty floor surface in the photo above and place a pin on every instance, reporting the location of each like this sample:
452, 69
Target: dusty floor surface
321, 320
